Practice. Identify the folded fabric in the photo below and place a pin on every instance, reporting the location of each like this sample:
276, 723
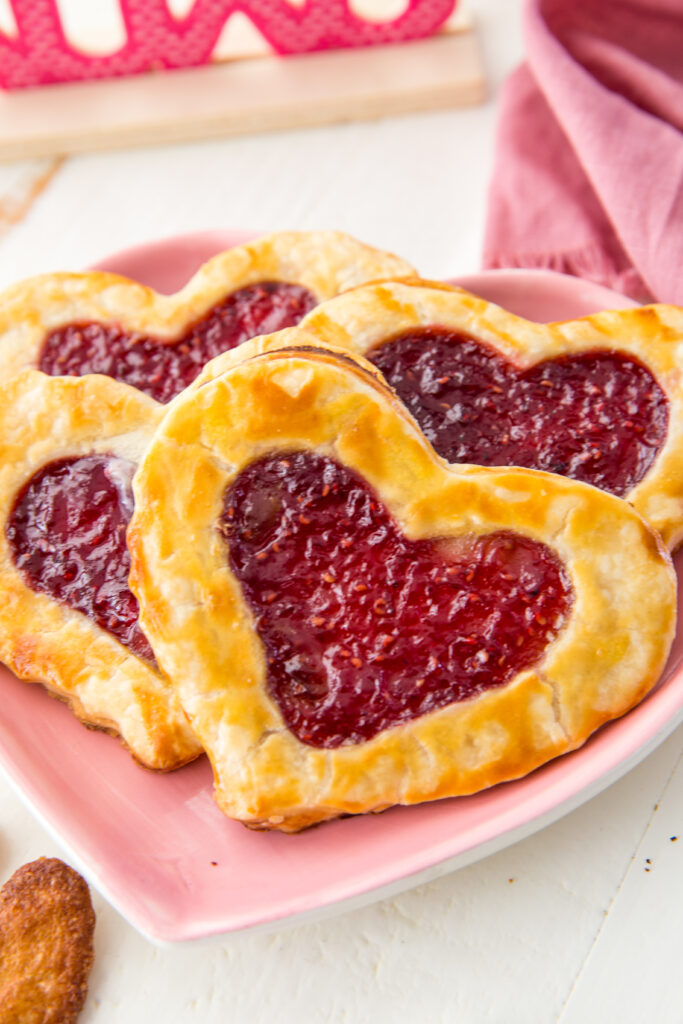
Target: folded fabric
588, 175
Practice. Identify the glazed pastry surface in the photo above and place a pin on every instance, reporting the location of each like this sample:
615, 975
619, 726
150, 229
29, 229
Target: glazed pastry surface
196, 566
68, 449
599, 399
73, 324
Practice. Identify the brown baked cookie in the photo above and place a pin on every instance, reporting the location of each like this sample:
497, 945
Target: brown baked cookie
46, 944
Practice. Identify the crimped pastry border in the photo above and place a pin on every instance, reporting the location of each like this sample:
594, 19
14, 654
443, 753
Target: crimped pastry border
325, 262
610, 653
364, 318
43, 419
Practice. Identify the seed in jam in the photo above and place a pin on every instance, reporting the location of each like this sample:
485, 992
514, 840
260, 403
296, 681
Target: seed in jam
363, 628
67, 535
163, 369
599, 417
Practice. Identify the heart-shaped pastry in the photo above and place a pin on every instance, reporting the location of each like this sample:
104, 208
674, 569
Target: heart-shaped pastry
68, 451
351, 623
598, 399
74, 324
46, 944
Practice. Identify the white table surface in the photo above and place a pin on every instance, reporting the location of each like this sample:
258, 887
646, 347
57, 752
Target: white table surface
579, 923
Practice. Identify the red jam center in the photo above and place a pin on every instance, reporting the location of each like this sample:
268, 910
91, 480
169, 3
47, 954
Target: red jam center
161, 369
67, 535
599, 417
363, 628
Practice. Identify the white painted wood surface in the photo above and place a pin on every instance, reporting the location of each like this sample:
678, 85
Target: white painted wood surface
578, 924
241, 97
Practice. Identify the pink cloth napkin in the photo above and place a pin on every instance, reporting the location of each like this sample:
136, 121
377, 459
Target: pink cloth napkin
588, 175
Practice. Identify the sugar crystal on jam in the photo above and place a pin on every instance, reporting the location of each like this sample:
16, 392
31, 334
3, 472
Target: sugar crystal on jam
67, 535
362, 628
162, 369
599, 417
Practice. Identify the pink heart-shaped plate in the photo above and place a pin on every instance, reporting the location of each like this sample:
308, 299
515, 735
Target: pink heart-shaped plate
159, 849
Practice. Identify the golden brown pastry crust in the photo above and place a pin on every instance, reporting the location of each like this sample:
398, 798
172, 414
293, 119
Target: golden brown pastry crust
367, 316
42, 419
46, 944
607, 657
325, 262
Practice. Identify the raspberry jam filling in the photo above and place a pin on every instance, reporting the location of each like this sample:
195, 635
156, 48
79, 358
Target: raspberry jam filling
162, 369
364, 629
599, 417
67, 535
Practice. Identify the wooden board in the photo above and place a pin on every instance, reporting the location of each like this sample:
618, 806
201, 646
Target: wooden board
237, 97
